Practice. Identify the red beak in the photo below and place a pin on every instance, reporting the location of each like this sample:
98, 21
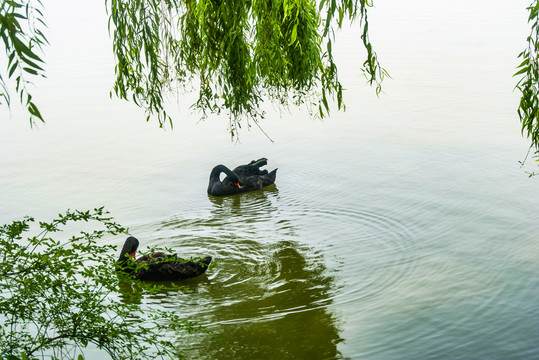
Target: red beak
133, 254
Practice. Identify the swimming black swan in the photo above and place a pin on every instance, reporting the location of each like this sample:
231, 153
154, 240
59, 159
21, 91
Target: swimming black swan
158, 265
241, 179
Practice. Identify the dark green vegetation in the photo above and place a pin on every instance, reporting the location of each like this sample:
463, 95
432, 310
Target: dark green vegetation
59, 296
528, 109
236, 54
21, 30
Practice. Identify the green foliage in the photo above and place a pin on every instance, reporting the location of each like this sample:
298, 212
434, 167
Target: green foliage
237, 53
528, 84
21, 30
59, 296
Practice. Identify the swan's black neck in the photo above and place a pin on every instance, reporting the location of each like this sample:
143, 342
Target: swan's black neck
216, 187
214, 175
130, 246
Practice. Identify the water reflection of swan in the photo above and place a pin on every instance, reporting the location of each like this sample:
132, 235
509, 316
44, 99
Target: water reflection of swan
249, 201
271, 295
243, 178
158, 265
277, 307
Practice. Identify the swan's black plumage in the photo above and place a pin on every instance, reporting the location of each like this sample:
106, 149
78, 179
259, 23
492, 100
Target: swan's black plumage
158, 265
243, 178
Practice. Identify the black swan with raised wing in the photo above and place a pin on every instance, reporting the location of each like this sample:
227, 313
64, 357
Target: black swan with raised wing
158, 265
243, 178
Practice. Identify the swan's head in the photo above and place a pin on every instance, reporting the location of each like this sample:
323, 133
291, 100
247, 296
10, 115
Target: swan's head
129, 249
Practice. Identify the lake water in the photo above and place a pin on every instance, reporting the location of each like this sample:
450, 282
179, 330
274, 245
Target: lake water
403, 228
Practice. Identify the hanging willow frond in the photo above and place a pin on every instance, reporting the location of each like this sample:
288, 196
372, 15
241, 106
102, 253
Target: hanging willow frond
237, 53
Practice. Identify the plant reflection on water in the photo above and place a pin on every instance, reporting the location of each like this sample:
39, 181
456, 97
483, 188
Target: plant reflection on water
267, 294
284, 311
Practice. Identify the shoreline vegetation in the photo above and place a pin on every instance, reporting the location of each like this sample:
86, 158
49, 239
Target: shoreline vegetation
61, 293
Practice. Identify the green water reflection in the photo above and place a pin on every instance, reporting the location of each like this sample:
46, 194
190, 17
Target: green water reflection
267, 295
283, 311
280, 308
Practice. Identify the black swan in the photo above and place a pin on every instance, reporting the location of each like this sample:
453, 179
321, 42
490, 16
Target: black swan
241, 179
158, 265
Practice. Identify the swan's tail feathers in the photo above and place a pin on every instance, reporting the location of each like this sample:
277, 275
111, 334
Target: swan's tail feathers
270, 178
202, 265
273, 175
205, 262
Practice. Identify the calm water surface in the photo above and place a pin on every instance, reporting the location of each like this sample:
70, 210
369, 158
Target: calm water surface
403, 228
